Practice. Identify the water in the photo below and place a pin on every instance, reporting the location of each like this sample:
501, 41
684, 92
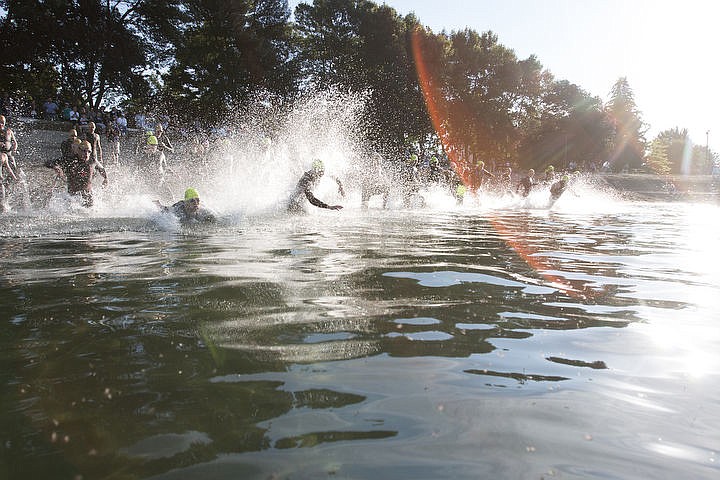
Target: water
495, 339
491, 341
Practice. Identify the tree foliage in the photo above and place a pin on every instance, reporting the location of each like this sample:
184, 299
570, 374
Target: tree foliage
628, 145
208, 59
682, 156
228, 52
571, 128
362, 47
86, 49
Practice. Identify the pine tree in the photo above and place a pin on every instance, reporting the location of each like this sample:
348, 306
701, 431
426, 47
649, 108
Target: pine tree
629, 142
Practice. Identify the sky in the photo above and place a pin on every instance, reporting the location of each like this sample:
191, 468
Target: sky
668, 50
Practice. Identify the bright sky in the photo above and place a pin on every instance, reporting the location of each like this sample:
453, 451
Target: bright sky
668, 50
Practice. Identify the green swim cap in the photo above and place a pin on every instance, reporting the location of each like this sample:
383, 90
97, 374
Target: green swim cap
318, 165
152, 140
191, 193
565, 178
550, 168
461, 189
433, 160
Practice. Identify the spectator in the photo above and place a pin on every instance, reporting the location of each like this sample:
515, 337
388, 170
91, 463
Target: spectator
84, 119
122, 123
140, 121
50, 109
99, 120
74, 115
66, 111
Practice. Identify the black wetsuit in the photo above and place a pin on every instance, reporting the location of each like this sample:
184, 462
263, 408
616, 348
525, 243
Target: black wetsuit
179, 209
557, 189
526, 184
303, 190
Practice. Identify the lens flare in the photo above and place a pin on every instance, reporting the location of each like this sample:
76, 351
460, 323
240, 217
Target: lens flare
439, 109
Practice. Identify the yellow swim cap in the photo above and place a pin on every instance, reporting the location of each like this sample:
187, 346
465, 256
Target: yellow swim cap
191, 193
318, 165
152, 140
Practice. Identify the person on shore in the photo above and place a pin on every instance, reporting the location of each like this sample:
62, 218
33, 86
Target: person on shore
526, 184
78, 171
122, 123
304, 190
188, 209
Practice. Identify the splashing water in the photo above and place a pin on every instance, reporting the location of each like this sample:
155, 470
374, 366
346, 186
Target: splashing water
253, 167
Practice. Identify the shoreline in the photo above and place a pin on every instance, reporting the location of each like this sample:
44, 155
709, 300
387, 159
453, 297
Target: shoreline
48, 135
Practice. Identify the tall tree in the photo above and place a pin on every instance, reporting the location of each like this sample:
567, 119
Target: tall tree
492, 94
359, 46
628, 142
228, 52
683, 157
89, 48
657, 157
571, 128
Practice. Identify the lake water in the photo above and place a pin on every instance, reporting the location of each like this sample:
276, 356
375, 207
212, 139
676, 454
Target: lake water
492, 341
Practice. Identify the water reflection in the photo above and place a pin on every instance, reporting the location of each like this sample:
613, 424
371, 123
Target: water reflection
138, 353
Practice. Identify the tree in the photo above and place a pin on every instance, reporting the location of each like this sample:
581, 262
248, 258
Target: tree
571, 128
86, 49
657, 158
628, 145
492, 95
683, 157
358, 46
228, 52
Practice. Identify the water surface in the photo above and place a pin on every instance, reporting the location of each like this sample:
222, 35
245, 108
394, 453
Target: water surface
468, 342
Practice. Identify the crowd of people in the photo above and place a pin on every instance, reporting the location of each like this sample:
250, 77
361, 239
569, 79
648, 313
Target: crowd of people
91, 145
459, 178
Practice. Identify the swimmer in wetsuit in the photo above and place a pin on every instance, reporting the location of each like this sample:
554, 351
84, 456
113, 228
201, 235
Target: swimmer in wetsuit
188, 210
526, 183
304, 187
557, 188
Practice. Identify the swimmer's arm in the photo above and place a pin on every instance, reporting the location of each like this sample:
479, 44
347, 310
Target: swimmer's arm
99, 167
99, 148
318, 203
162, 207
55, 165
13, 142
